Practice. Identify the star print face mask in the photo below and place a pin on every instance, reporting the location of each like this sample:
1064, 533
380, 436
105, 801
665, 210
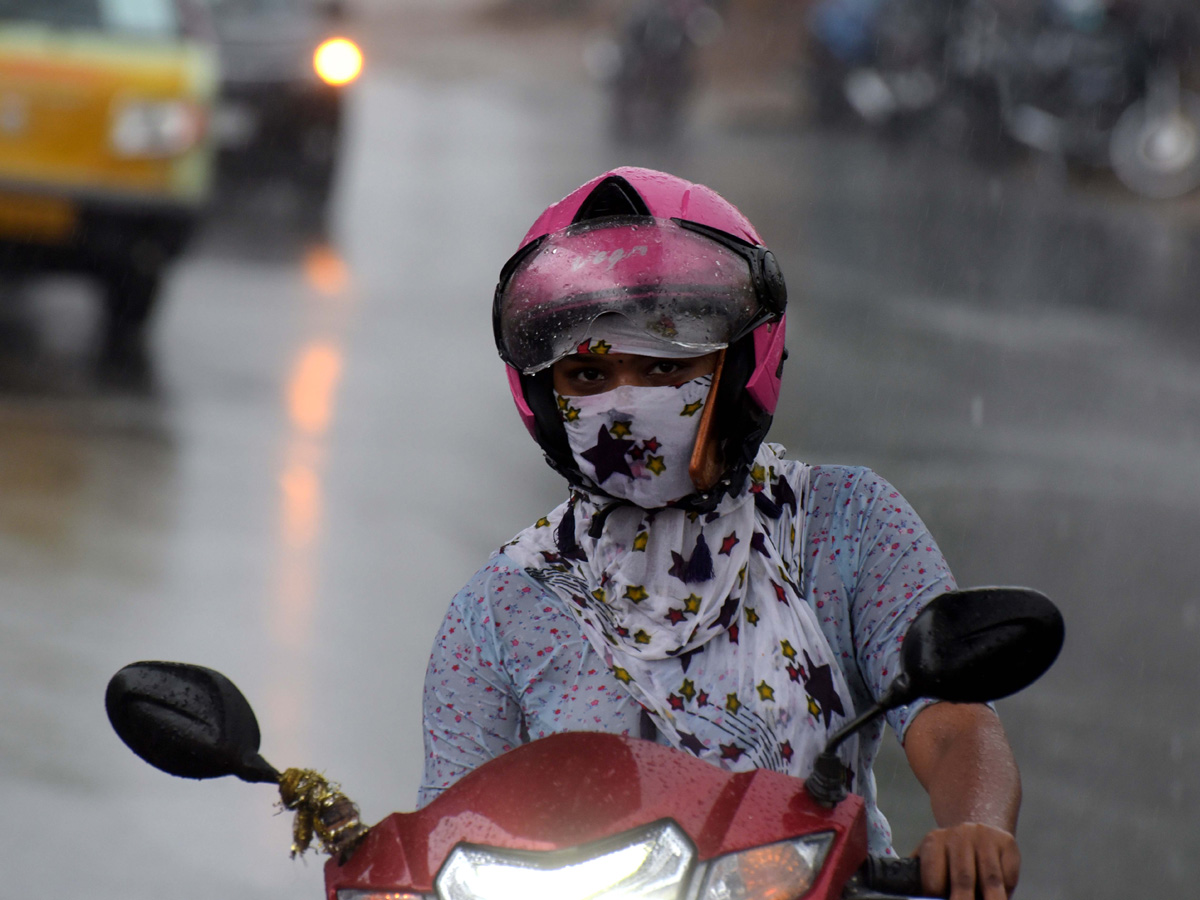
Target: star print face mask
636, 442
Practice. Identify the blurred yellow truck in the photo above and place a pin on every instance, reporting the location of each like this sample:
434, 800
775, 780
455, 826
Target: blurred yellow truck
105, 159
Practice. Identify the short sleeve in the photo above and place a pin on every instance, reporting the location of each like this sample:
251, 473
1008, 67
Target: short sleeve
893, 570
469, 713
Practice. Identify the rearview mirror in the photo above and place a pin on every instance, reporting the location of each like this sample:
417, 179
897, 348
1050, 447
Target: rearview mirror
979, 645
187, 721
969, 646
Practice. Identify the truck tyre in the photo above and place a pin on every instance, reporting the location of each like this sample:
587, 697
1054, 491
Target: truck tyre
130, 295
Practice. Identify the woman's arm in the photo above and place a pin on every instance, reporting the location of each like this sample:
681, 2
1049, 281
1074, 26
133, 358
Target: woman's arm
469, 714
961, 756
958, 752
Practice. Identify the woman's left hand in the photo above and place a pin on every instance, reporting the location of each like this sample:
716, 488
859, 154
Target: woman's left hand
960, 755
959, 860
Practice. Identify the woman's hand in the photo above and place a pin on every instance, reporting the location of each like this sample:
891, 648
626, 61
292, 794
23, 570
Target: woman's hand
961, 756
958, 860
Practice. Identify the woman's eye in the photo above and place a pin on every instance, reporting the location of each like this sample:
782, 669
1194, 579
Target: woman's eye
665, 367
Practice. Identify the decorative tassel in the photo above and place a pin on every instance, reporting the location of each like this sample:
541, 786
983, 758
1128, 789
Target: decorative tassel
323, 811
698, 568
701, 566
564, 537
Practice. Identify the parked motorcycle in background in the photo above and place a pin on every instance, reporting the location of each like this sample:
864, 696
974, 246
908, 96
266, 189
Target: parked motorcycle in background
649, 67
1098, 83
877, 61
1091, 82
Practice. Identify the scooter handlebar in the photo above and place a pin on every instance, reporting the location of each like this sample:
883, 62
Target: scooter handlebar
893, 876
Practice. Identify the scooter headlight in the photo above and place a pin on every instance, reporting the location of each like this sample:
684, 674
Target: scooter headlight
653, 864
782, 871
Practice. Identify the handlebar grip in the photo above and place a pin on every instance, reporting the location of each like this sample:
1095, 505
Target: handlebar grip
894, 876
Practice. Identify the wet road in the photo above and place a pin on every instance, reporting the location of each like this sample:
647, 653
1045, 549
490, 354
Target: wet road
318, 449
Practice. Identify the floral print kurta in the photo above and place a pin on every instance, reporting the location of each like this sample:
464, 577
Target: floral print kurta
510, 663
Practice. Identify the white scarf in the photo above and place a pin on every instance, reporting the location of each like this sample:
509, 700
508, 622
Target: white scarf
700, 617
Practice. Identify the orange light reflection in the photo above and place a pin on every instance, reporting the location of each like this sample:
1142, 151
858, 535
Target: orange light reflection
310, 390
301, 505
325, 270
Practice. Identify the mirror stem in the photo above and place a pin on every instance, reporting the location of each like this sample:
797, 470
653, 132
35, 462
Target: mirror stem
258, 771
827, 782
853, 726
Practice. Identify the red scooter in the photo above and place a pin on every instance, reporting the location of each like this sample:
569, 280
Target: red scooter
586, 816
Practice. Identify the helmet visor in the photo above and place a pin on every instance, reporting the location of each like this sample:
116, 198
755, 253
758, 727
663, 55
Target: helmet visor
681, 291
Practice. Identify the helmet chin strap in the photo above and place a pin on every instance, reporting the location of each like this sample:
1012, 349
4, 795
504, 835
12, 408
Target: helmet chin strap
706, 466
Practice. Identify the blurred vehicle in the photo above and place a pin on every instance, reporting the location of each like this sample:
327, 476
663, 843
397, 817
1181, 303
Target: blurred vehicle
104, 158
877, 61
1095, 82
650, 65
284, 68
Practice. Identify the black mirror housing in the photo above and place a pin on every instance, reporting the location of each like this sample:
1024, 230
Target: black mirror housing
187, 721
979, 645
970, 646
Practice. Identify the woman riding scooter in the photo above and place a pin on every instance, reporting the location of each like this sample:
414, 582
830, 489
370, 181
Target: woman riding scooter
697, 588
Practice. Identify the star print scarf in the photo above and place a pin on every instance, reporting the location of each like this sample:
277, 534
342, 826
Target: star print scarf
636, 441
701, 618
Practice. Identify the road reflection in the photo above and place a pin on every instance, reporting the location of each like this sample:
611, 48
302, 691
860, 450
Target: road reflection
311, 388
326, 271
310, 398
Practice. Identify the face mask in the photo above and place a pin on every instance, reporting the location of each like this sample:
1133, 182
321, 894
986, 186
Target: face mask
636, 442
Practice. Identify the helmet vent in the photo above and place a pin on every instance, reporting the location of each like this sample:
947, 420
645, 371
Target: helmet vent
614, 196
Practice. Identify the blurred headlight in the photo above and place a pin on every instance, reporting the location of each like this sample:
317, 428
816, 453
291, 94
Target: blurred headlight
652, 865
782, 871
156, 128
338, 61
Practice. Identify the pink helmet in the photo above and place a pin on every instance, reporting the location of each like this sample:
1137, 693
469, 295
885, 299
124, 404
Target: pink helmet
673, 262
